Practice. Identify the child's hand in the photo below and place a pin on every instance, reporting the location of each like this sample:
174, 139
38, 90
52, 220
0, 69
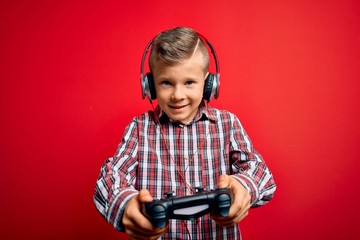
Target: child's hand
137, 226
240, 205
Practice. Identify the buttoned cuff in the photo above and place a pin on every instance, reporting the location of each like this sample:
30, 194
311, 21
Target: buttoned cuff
118, 207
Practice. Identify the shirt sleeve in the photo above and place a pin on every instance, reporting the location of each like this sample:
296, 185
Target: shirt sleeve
248, 166
115, 185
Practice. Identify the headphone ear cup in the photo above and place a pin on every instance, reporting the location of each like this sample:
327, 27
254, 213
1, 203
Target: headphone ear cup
148, 87
210, 87
151, 86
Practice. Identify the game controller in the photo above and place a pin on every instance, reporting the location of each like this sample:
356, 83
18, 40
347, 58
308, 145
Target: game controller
216, 201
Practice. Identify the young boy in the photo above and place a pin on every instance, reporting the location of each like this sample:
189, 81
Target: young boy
180, 145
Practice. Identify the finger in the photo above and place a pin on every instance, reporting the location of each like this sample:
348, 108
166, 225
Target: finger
224, 181
139, 223
241, 200
223, 221
133, 234
143, 225
240, 205
239, 211
144, 196
227, 222
134, 219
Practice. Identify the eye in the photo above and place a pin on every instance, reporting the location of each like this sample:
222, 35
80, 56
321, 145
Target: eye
190, 82
165, 83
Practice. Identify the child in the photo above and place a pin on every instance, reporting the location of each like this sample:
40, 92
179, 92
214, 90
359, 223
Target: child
181, 144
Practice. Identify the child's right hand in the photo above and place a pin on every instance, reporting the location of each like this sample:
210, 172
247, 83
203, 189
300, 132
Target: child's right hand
137, 226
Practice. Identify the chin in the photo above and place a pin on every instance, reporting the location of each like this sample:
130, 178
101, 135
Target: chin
178, 119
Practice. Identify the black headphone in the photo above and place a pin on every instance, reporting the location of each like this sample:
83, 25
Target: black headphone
212, 81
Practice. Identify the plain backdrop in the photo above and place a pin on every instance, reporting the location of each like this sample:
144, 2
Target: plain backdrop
70, 83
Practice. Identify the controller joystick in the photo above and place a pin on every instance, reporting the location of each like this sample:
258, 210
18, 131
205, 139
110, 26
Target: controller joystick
169, 194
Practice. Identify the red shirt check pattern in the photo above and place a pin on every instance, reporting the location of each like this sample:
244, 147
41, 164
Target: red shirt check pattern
165, 156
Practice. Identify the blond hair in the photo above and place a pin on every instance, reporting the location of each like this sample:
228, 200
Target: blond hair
172, 46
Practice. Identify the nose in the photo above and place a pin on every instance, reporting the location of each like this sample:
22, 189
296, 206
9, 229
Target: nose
178, 93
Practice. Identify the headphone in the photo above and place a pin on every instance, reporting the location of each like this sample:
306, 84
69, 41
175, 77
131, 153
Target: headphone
212, 81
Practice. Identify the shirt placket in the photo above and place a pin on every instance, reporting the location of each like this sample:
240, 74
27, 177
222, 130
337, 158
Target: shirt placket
186, 158
187, 155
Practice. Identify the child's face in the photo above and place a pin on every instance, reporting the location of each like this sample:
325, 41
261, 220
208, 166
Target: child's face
179, 88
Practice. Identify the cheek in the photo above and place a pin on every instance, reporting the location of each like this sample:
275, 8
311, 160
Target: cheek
161, 94
198, 94
162, 99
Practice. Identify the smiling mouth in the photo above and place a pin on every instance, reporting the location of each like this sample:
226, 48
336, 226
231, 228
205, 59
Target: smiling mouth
177, 107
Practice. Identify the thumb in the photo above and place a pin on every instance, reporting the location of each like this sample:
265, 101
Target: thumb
144, 196
224, 181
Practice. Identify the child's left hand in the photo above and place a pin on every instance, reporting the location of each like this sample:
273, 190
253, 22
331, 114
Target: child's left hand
240, 205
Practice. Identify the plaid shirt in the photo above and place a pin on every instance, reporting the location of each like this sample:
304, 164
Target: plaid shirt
163, 156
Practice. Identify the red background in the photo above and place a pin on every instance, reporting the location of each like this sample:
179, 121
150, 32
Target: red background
70, 83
